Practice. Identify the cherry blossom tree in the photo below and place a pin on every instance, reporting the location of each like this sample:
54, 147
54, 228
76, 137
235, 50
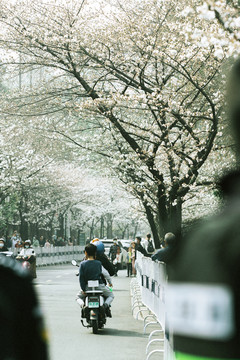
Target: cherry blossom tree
124, 81
224, 20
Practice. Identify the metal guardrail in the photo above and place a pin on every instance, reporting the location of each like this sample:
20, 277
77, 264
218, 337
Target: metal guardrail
152, 281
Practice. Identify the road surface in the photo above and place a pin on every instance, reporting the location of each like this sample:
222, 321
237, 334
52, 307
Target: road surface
122, 338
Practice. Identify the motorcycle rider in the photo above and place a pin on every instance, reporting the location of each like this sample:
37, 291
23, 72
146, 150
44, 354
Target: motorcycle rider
3, 245
27, 253
92, 269
101, 256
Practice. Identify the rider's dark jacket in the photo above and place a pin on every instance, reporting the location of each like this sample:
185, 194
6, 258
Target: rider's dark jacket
90, 270
106, 263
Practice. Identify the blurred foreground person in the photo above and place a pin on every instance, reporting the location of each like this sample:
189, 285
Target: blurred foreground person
204, 281
22, 333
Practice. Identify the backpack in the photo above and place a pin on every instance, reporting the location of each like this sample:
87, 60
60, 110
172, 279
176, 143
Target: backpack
150, 247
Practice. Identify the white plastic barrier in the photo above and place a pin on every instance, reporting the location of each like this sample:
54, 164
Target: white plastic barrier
152, 278
154, 281
55, 255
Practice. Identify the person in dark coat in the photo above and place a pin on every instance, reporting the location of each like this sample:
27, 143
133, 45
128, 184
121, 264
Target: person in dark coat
113, 250
140, 248
101, 256
166, 254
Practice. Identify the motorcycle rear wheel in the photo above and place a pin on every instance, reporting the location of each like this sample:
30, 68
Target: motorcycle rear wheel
94, 326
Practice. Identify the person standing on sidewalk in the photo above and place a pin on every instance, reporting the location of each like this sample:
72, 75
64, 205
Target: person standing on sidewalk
149, 245
133, 258
113, 250
118, 261
139, 247
129, 261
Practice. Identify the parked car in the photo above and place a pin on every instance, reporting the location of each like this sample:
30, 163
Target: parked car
107, 244
123, 245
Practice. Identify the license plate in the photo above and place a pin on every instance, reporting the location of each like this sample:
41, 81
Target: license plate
93, 304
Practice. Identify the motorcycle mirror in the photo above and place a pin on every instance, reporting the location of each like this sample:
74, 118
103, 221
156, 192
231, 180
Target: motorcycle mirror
74, 263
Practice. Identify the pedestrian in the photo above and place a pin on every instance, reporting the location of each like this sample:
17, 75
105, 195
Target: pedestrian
16, 240
149, 245
133, 258
118, 260
35, 242
129, 261
70, 241
47, 244
41, 241
166, 254
139, 247
8, 242
113, 250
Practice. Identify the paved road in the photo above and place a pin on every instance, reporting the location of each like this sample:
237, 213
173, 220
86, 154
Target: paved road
122, 337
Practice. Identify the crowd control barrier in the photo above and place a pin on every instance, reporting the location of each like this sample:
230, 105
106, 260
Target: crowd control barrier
56, 255
152, 281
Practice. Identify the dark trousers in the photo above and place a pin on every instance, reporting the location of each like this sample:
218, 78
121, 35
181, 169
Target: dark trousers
117, 267
129, 269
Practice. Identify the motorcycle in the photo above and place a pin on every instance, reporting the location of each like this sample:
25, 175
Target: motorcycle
28, 263
94, 309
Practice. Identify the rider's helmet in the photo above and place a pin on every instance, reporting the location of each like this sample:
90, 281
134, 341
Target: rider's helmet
99, 245
27, 243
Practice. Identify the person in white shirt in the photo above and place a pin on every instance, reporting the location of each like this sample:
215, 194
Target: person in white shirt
149, 245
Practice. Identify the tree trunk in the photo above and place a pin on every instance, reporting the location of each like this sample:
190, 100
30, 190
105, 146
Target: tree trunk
109, 226
61, 225
23, 226
124, 231
153, 226
91, 230
102, 228
162, 214
175, 218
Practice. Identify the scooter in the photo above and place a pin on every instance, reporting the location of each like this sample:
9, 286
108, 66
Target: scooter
94, 310
28, 263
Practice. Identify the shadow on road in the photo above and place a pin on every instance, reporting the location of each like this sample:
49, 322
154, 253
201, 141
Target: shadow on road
117, 332
121, 290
